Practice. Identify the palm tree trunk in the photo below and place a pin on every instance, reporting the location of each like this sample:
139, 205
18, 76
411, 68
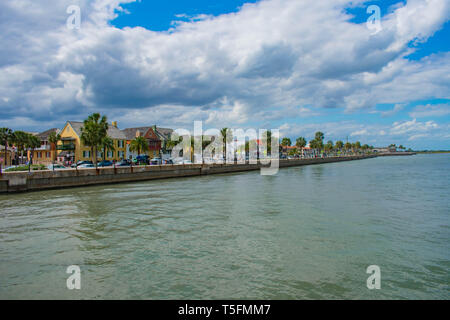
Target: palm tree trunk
95, 157
6, 152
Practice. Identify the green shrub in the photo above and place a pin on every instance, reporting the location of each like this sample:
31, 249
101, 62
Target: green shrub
22, 168
25, 168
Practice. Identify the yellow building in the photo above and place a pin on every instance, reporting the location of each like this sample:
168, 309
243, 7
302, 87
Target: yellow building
71, 149
10, 156
46, 153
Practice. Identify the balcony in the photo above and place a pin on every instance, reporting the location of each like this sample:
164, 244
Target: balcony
43, 148
66, 146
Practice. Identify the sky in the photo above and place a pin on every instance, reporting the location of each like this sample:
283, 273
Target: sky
296, 65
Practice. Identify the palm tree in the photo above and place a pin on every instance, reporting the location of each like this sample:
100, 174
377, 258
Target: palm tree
139, 144
19, 139
227, 137
339, 145
170, 144
94, 129
365, 147
319, 136
357, 145
330, 142
6, 135
313, 145
54, 138
32, 142
286, 142
300, 143
269, 142
107, 144
347, 146
329, 146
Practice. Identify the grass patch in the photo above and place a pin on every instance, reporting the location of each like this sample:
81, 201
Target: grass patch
25, 168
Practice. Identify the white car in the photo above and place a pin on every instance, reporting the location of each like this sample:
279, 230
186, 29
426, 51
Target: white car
182, 161
86, 165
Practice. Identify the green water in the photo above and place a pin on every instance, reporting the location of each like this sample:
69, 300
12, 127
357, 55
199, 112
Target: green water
308, 232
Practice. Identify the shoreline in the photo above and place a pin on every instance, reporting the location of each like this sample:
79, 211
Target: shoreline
14, 182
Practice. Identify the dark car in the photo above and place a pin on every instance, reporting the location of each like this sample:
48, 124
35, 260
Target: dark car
105, 163
168, 161
123, 163
156, 161
142, 159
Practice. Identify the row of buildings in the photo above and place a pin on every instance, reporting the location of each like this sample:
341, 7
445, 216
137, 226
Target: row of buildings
70, 148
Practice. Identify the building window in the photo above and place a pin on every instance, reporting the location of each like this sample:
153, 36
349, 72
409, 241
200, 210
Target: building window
120, 143
86, 154
48, 155
110, 154
120, 154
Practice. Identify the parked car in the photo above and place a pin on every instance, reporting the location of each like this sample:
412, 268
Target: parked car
105, 163
123, 163
81, 163
56, 167
187, 162
86, 165
168, 161
156, 161
142, 159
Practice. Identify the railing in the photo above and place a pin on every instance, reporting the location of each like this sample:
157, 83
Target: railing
43, 148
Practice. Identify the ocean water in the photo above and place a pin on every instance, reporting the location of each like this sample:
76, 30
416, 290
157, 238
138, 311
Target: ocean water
306, 233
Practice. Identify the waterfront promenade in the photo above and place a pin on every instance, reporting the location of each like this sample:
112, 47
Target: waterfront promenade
11, 182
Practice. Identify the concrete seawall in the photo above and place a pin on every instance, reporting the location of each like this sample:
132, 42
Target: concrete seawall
394, 154
40, 180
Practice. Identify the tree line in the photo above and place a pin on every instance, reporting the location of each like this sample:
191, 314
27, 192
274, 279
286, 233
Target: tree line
318, 144
22, 140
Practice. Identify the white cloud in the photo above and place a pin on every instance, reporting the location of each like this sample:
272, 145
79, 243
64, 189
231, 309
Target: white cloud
397, 108
412, 127
272, 61
425, 111
362, 132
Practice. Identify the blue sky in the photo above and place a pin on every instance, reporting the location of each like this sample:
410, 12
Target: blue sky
159, 15
300, 66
